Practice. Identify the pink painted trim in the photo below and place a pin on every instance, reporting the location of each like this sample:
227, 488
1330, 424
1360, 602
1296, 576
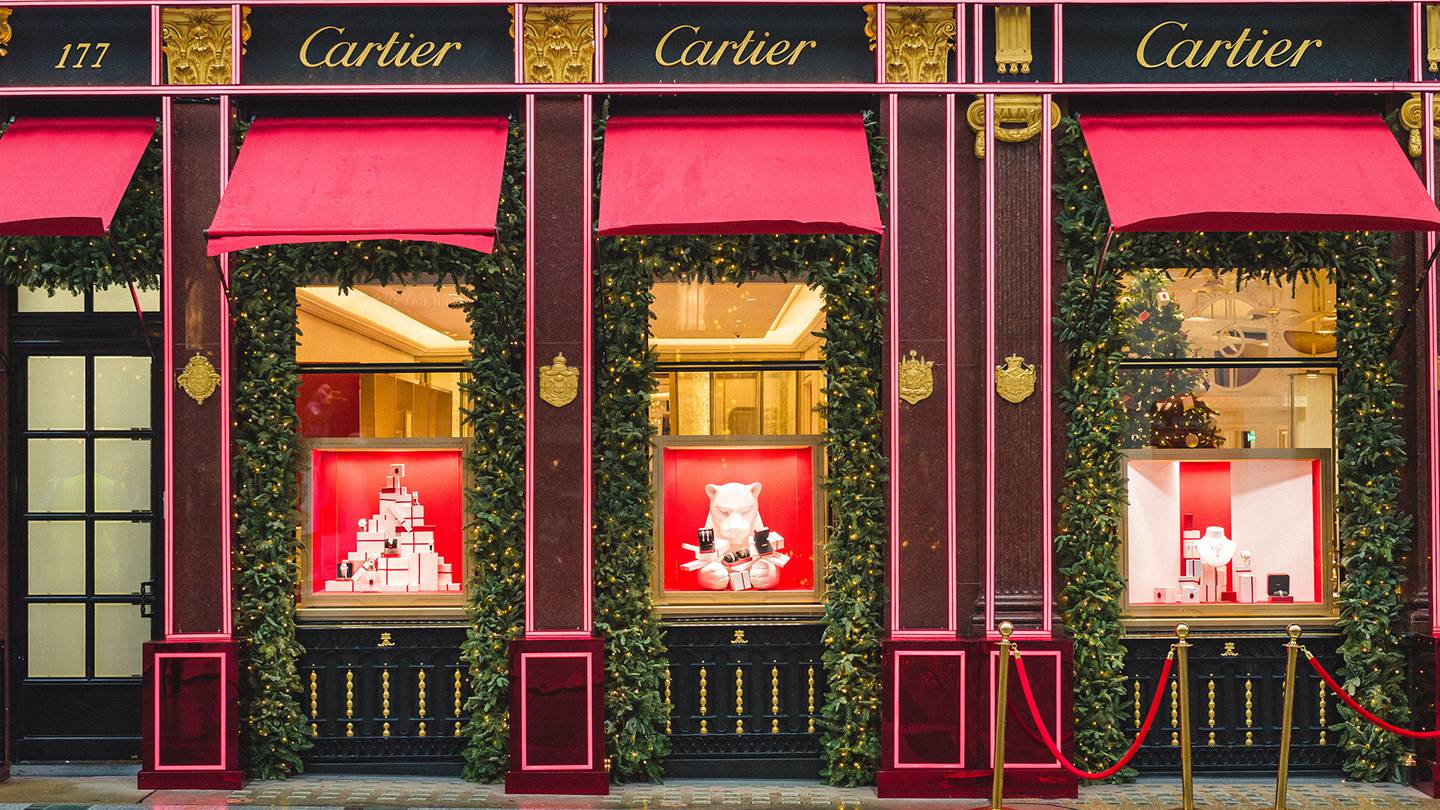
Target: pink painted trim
519, 45
880, 49
324, 3
559, 635
221, 728
951, 431
960, 49
198, 637
1433, 350
895, 710
587, 200
1047, 382
589, 712
1058, 35
155, 54
167, 292
989, 361
977, 46
922, 635
1054, 729
599, 43
892, 329
1417, 40
529, 354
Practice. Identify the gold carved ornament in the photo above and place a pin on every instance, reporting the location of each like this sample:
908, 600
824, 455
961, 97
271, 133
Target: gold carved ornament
559, 382
917, 378
1432, 38
559, 44
198, 379
5, 31
1412, 118
1015, 380
1017, 119
1013, 53
196, 42
918, 42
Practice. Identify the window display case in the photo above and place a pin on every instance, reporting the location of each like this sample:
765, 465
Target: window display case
382, 524
1228, 536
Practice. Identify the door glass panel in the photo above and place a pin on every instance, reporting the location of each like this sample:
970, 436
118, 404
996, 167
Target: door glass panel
38, 299
118, 299
56, 480
122, 393
56, 399
119, 633
122, 475
57, 557
122, 556
57, 641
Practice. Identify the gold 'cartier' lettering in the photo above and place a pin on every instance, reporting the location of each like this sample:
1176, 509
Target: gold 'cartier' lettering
393, 52
1245, 50
752, 49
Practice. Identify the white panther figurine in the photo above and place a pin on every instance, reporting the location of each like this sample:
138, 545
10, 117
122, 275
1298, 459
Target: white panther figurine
736, 562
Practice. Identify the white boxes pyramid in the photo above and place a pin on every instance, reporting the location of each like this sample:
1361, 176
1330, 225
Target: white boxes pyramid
395, 548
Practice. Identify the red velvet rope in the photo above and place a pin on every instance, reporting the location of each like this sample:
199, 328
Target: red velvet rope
1055, 749
1362, 711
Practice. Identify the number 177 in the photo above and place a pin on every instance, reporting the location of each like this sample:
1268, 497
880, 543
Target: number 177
82, 50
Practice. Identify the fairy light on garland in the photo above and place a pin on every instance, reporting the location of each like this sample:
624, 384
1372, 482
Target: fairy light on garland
1374, 529
845, 269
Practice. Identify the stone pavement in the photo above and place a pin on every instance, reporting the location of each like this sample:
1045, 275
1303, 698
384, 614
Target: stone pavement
49, 789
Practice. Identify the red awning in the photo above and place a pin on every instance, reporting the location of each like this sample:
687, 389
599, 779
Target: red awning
710, 174
1311, 172
343, 179
65, 176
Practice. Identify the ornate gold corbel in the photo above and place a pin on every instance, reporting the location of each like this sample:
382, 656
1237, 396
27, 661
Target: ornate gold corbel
918, 42
1017, 119
559, 43
1432, 38
5, 31
1412, 117
198, 379
1015, 380
1013, 53
196, 42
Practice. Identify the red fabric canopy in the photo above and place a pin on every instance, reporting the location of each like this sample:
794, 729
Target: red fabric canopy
1313, 172
65, 176
710, 174
342, 179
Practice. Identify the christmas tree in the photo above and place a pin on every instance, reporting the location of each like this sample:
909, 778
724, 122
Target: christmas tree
1162, 405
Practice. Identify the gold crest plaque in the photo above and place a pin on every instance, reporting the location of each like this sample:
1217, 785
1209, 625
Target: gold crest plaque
1015, 381
198, 379
559, 383
917, 378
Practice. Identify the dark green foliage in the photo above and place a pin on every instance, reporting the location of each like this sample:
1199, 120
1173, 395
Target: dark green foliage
844, 269
133, 252
1374, 530
267, 456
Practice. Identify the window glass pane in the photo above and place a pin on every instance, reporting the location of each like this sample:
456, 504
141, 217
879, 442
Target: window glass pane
1235, 407
122, 393
120, 631
692, 405
122, 556
735, 403
56, 393
117, 298
778, 398
38, 299
122, 475
56, 646
1171, 314
56, 476
384, 406
56, 557
377, 324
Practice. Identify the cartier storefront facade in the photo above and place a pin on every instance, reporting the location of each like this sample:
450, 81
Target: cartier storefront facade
568, 394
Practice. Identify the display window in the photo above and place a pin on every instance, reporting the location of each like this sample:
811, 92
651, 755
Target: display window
380, 406
738, 467
1228, 392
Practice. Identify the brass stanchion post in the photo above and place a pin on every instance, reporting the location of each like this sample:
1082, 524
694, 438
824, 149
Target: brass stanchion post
1182, 655
1282, 775
997, 781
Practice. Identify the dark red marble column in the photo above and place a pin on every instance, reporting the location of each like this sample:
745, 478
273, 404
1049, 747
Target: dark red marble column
190, 736
557, 669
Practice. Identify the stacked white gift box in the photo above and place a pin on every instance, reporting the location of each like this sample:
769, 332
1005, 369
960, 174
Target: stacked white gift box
394, 548
1207, 584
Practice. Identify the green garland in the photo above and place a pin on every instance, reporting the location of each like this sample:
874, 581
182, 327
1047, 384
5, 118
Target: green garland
274, 735
845, 269
131, 253
1374, 531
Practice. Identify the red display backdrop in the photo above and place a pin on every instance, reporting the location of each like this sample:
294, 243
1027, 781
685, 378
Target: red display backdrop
345, 487
786, 503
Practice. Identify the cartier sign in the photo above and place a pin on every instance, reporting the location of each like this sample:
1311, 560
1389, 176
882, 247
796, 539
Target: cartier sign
379, 45
737, 43
1277, 42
